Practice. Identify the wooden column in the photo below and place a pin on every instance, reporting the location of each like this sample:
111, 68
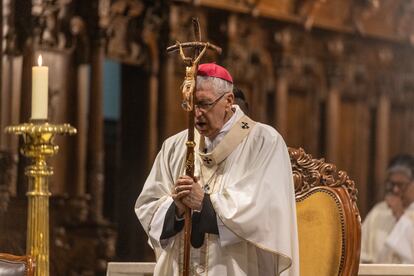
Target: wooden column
3, 94
95, 162
10, 84
151, 39
82, 126
332, 125
7, 101
382, 144
281, 104
174, 119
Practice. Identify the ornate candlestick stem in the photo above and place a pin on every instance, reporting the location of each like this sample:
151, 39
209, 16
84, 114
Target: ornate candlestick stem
38, 146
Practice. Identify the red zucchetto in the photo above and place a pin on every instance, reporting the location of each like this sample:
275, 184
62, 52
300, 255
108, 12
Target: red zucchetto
214, 70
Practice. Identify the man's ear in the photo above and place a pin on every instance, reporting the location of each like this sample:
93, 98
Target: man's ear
230, 99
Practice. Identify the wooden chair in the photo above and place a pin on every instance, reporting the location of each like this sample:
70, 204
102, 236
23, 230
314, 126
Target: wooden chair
329, 224
12, 265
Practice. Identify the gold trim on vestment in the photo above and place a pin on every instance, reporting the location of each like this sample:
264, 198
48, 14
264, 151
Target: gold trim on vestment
229, 143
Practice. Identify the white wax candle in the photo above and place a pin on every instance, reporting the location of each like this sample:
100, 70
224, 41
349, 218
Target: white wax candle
39, 90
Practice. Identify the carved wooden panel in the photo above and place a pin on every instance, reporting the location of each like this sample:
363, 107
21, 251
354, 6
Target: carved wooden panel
304, 120
251, 64
124, 41
246, 6
267, 7
380, 19
354, 145
327, 13
401, 135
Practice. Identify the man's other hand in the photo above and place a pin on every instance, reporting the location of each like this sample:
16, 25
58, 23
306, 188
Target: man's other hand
193, 198
395, 204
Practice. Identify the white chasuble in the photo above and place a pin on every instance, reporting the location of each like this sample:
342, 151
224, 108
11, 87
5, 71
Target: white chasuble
386, 240
248, 177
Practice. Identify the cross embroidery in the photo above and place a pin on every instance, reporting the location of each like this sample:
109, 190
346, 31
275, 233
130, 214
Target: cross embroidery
207, 160
245, 125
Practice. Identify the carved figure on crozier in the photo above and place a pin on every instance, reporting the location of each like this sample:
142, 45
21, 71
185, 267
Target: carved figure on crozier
188, 84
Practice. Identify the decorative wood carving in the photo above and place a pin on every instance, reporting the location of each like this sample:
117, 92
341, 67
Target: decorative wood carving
251, 63
309, 173
251, 5
308, 10
335, 64
10, 34
78, 247
361, 11
55, 24
404, 20
6, 164
124, 32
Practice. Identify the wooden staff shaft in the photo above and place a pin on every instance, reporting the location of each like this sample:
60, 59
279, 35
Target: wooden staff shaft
190, 162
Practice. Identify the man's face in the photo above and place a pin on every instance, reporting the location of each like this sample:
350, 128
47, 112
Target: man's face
401, 185
211, 111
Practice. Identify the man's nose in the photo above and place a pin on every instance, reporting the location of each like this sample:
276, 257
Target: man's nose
396, 189
197, 112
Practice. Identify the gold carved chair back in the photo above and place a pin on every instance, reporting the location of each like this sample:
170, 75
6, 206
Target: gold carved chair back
329, 224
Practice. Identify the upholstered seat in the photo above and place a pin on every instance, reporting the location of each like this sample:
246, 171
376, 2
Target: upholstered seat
11, 265
329, 224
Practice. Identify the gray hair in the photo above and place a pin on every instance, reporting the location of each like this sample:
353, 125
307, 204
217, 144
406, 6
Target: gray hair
403, 163
219, 86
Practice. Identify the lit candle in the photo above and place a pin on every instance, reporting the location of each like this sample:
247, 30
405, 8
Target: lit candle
39, 90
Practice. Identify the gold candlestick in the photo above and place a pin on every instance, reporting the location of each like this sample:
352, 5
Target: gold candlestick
38, 146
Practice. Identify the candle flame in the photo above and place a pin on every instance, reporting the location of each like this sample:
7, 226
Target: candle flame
39, 60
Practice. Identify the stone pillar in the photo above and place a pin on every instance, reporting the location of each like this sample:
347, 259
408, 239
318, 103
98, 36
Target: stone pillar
95, 161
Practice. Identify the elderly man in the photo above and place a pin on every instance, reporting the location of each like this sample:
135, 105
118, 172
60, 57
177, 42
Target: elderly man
388, 230
242, 195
